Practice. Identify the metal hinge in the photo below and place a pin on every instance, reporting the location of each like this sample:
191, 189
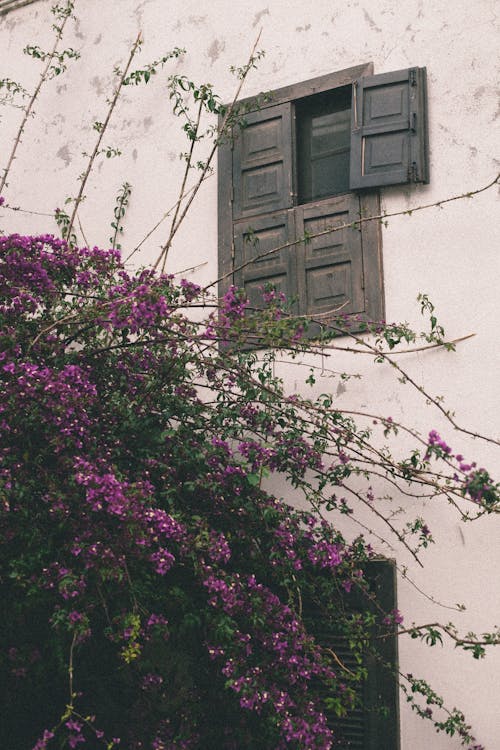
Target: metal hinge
413, 76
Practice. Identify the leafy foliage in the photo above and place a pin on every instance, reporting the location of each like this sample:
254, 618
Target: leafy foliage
153, 590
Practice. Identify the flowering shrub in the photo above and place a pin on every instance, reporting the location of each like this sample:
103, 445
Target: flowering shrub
153, 592
155, 595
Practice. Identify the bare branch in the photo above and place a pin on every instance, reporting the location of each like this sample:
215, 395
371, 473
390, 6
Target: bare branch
102, 130
29, 108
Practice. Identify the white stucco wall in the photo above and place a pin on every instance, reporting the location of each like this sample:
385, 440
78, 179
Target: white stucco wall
452, 253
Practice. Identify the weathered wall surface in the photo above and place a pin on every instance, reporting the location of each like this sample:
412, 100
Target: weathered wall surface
450, 253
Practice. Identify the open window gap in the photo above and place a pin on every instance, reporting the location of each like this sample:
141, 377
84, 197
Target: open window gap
323, 126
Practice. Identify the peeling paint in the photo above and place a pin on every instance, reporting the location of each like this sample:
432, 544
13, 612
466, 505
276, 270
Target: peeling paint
303, 28
78, 33
215, 50
65, 155
96, 82
259, 15
371, 22
98, 38
134, 154
147, 122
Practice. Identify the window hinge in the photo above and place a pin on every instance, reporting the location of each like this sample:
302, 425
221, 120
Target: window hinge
413, 76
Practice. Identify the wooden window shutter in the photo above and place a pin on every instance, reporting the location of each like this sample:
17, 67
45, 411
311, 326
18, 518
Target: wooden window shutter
389, 129
255, 205
262, 162
374, 724
330, 265
260, 258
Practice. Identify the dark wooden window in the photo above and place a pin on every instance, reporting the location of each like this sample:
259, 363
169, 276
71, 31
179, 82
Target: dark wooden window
374, 723
310, 160
7, 5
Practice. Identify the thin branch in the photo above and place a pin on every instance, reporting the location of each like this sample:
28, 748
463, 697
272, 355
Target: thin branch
337, 659
191, 268
439, 344
452, 633
194, 136
29, 108
82, 232
404, 574
206, 166
354, 224
160, 221
102, 130
385, 520
433, 400
27, 211
71, 672
120, 212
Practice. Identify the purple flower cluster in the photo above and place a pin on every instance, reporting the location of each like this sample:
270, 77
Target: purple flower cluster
473, 483
134, 520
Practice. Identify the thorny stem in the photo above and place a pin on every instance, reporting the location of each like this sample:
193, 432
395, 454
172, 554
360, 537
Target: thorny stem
102, 130
82, 232
127, 575
159, 222
385, 520
29, 108
184, 180
208, 162
124, 195
451, 633
28, 211
71, 672
433, 400
404, 574
354, 224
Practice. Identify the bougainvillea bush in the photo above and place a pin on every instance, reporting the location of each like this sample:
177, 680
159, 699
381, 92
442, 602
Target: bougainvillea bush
154, 595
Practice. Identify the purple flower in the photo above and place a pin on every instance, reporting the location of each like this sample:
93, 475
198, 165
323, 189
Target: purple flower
41, 744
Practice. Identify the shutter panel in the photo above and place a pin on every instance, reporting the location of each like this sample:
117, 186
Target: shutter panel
330, 266
373, 725
253, 241
262, 162
388, 139
381, 690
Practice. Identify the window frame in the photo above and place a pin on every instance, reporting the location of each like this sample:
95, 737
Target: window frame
372, 279
7, 6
